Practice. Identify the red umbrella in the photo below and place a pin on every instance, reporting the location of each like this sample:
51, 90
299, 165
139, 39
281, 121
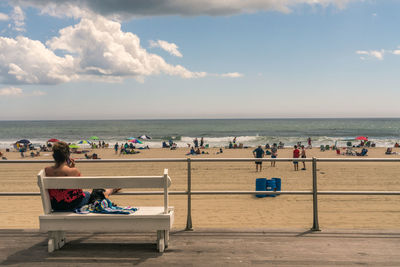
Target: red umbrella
362, 138
52, 140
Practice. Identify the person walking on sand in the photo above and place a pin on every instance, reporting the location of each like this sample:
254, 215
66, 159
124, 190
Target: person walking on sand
258, 153
296, 154
274, 154
303, 156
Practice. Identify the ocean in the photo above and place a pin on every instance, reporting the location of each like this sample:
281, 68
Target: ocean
216, 132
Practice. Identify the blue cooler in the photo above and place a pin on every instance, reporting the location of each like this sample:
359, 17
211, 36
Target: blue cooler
261, 185
278, 183
271, 186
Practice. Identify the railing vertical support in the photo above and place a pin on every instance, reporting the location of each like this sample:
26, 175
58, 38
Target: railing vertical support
315, 226
189, 196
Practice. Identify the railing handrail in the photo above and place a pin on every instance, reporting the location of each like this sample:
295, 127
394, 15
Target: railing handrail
211, 160
213, 192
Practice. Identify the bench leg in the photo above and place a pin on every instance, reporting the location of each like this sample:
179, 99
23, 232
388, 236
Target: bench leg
166, 237
161, 240
56, 240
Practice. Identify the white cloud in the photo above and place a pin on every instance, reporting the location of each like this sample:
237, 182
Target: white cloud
378, 54
232, 75
169, 47
128, 9
18, 17
396, 52
4, 16
94, 48
26, 61
18, 92
103, 49
11, 91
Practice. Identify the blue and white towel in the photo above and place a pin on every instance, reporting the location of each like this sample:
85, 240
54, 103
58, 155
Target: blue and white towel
105, 206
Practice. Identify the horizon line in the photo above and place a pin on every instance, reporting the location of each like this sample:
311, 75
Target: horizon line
249, 118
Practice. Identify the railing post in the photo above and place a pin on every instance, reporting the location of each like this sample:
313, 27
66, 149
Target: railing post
315, 226
189, 196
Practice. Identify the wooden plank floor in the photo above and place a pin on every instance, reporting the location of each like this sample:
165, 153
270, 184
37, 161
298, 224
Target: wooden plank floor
208, 247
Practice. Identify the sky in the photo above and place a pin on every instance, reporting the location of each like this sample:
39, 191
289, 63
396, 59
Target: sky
149, 59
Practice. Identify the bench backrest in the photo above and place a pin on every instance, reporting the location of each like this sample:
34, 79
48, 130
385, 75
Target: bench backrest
67, 182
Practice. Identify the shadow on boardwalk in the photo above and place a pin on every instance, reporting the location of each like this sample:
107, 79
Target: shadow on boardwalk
210, 247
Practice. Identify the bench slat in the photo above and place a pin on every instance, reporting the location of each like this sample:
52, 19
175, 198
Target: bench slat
104, 182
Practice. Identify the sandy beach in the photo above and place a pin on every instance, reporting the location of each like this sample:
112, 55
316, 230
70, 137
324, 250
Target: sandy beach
232, 211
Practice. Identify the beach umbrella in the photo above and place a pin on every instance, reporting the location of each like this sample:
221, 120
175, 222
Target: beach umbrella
73, 146
84, 142
362, 138
23, 141
134, 140
144, 137
53, 140
94, 138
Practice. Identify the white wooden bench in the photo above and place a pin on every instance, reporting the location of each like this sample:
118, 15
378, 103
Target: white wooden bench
146, 219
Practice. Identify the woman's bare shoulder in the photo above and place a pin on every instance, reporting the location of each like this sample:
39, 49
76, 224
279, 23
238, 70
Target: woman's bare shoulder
71, 171
62, 171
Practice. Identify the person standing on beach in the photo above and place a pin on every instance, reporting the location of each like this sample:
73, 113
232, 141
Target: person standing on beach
202, 142
116, 147
303, 156
196, 142
274, 154
309, 142
296, 154
258, 153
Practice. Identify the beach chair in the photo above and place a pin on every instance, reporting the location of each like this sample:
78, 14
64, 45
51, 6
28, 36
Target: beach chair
349, 144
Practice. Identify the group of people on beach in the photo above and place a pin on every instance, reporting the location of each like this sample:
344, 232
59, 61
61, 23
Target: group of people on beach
260, 153
127, 148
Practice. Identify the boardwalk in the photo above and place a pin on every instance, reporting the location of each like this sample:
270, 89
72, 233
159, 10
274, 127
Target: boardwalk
207, 248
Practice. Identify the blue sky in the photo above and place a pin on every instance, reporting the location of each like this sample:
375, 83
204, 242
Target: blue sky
191, 60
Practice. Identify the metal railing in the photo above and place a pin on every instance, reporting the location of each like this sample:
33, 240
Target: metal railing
189, 192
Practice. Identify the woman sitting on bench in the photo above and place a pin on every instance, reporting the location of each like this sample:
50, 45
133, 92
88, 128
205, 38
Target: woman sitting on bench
67, 199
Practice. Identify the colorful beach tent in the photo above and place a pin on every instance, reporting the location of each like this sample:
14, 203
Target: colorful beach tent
362, 138
134, 140
84, 142
94, 138
53, 140
23, 141
73, 146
